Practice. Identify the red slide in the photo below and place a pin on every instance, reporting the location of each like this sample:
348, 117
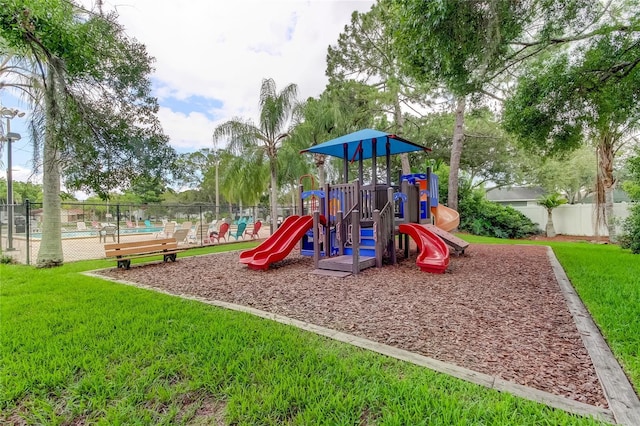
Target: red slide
434, 253
268, 244
280, 244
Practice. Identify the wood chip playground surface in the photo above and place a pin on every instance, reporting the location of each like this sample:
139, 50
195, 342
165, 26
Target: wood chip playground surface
498, 310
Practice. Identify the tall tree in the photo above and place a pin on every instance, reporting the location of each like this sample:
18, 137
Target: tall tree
365, 52
572, 175
317, 121
469, 46
490, 154
92, 90
244, 136
587, 93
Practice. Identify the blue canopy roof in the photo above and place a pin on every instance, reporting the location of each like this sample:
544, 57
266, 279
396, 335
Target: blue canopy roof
364, 139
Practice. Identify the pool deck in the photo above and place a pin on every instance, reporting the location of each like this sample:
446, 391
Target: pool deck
84, 248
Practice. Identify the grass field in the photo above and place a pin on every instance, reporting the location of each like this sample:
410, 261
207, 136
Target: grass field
77, 349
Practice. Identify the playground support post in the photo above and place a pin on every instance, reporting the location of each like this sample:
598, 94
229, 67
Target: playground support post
355, 241
316, 242
391, 245
340, 234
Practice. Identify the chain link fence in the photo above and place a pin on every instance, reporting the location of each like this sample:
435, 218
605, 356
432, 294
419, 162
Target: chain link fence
86, 227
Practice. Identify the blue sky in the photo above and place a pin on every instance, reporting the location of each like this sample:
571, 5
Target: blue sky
211, 57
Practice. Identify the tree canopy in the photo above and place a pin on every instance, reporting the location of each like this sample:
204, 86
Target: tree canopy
88, 84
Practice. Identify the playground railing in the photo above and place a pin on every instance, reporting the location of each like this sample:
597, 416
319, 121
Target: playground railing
384, 230
344, 228
343, 197
374, 197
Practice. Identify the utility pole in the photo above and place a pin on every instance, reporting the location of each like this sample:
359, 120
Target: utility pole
10, 136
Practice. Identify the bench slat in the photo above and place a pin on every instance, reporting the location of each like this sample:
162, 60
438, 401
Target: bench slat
141, 247
146, 250
160, 253
140, 243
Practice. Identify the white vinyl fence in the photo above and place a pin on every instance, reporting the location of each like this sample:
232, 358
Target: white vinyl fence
574, 219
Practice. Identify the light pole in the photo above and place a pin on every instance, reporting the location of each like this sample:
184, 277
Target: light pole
10, 136
217, 154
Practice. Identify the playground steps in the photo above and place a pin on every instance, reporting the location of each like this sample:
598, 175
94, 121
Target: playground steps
367, 243
345, 263
459, 245
329, 273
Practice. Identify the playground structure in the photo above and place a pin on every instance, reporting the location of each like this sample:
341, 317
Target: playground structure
351, 226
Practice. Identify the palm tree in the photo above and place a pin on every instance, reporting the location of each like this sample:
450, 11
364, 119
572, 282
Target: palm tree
267, 136
318, 120
550, 202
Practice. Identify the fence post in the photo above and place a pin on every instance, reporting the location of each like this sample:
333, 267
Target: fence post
27, 208
117, 222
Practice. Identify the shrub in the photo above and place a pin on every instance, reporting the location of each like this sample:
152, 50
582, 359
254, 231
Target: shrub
630, 238
6, 259
482, 217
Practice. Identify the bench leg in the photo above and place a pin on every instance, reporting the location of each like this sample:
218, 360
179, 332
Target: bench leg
172, 257
124, 264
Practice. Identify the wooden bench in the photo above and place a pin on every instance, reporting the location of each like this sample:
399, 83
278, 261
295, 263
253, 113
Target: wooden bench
124, 252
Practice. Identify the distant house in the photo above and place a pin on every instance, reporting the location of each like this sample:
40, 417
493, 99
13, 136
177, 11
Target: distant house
66, 215
619, 196
71, 215
515, 196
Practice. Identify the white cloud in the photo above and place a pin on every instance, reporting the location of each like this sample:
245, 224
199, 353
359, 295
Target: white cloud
223, 49
220, 51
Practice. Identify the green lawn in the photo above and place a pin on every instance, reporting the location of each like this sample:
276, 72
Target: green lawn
77, 349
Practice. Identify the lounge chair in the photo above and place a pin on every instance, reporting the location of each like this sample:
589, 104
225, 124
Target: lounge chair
82, 226
167, 231
215, 236
201, 234
186, 225
254, 232
239, 232
181, 235
147, 223
130, 224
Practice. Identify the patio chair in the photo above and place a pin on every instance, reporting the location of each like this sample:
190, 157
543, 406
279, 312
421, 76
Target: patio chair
215, 236
186, 225
105, 231
147, 223
82, 226
254, 232
239, 231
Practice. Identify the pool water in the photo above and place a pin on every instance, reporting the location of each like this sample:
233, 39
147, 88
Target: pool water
94, 232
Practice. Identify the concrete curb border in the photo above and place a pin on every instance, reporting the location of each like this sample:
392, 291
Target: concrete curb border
482, 379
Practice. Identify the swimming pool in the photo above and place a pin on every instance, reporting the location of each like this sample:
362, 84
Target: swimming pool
94, 232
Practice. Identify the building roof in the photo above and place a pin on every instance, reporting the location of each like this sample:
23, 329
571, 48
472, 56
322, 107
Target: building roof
515, 193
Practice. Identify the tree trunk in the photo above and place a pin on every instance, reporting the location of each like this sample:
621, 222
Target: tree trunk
404, 158
605, 154
550, 230
273, 196
50, 253
320, 159
456, 153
